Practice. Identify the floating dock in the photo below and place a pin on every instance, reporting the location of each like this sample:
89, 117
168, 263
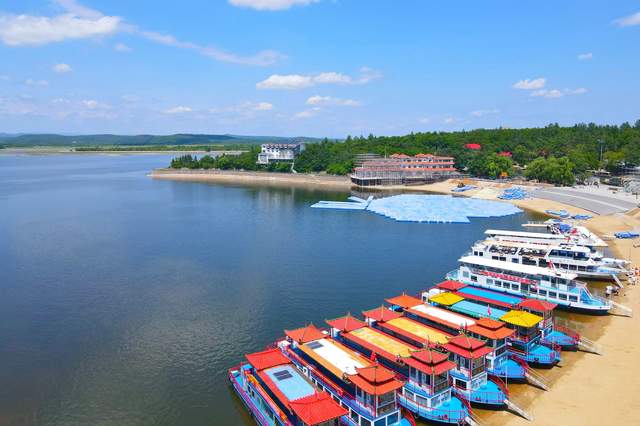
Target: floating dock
425, 208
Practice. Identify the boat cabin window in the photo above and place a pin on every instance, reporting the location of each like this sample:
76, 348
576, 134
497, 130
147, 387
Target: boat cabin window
355, 416
364, 422
542, 292
563, 296
465, 274
553, 294
459, 383
489, 281
514, 286
391, 419
474, 278
515, 260
573, 298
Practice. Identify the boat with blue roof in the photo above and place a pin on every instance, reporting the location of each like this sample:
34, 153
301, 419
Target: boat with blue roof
277, 393
524, 343
366, 389
552, 333
498, 362
427, 391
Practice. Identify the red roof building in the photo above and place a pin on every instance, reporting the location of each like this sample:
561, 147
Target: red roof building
430, 362
450, 285
404, 301
467, 347
375, 380
346, 323
267, 359
473, 146
505, 154
403, 169
317, 408
305, 334
491, 329
537, 305
381, 314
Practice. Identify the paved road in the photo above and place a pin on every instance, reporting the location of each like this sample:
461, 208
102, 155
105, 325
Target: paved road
595, 203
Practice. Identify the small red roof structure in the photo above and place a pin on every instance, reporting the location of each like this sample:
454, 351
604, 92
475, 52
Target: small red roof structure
421, 155
404, 301
346, 323
505, 154
267, 359
473, 146
491, 329
375, 380
451, 285
467, 347
305, 334
381, 314
400, 156
317, 408
537, 305
430, 361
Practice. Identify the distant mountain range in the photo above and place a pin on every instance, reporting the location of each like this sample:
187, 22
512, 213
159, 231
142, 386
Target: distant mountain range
31, 140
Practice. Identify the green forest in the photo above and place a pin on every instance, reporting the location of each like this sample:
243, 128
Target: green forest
552, 154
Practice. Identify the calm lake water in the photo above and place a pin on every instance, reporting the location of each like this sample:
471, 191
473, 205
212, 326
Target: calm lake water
123, 300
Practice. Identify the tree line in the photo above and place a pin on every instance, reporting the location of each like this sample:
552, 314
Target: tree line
553, 153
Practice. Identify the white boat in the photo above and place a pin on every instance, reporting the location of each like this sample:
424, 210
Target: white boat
581, 237
559, 256
530, 281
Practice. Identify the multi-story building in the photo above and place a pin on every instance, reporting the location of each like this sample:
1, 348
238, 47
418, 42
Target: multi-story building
401, 169
272, 152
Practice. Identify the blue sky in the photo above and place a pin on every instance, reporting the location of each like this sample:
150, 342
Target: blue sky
315, 67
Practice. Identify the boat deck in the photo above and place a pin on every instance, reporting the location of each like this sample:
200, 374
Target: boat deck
474, 309
383, 341
419, 330
289, 381
335, 357
488, 294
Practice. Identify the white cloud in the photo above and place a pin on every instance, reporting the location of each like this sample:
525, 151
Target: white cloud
271, 4
527, 84
263, 106
290, 82
308, 113
449, 120
298, 81
585, 56
555, 93
425, 120
121, 47
27, 30
628, 21
483, 112
545, 93
32, 82
95, 105
80, 22
262, 58
328, 100
578, 91
178, 110
62, 68
5, 78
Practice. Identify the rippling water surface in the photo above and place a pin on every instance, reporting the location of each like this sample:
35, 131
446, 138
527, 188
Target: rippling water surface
123, 300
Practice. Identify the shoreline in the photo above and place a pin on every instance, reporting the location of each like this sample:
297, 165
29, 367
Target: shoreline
71, 151
254, 178
588, 389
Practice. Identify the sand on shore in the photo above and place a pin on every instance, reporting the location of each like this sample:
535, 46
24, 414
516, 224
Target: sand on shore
586, 389
254, 178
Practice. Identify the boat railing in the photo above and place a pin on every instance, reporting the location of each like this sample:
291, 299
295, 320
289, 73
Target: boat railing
566, 330
260, 418
480, 396
549, 358
434, 413
270, 402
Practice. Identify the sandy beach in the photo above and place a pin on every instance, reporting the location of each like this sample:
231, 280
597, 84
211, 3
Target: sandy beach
586, 389
254, 178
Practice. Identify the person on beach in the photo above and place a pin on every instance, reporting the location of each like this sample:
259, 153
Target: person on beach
607, 291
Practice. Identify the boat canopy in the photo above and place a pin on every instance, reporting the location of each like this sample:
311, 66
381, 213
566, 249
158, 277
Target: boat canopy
446, 299
442, 315
521, 318
404, 301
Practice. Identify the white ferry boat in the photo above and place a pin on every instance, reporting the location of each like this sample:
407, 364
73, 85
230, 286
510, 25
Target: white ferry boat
530, 281
579, 235
557, 256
